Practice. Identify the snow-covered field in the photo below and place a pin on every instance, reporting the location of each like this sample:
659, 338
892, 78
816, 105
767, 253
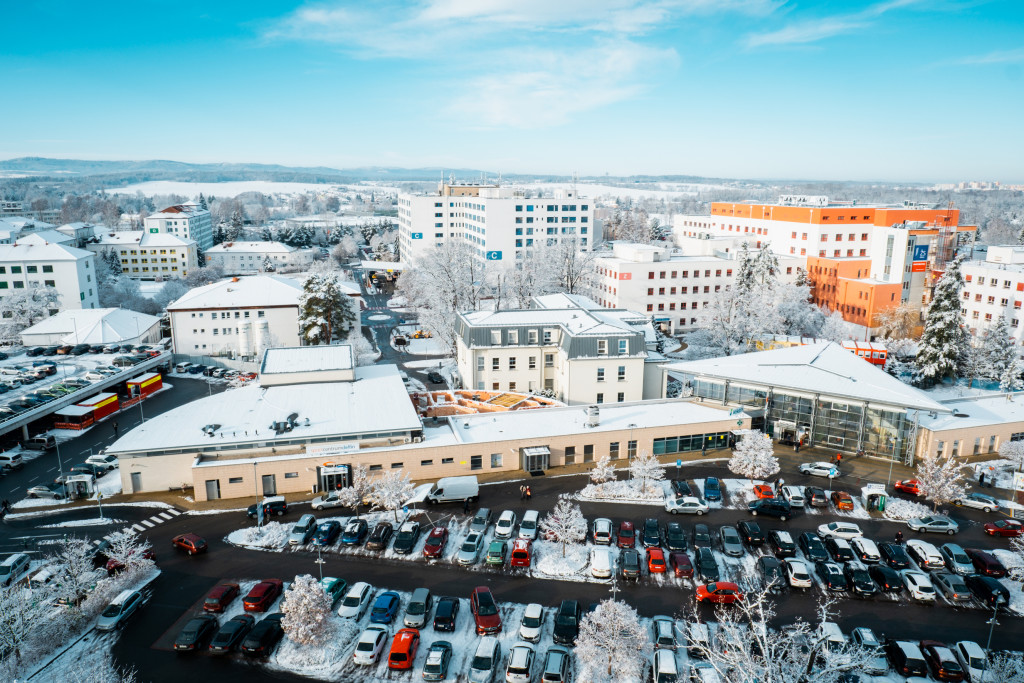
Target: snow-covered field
624, 491
225, 189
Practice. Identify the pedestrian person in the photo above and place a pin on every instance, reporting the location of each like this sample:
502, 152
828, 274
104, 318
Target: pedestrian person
839, 458
797, 446
522, 491
899, 537
704, 449
981, 479
465, 506
529, 493
115, 428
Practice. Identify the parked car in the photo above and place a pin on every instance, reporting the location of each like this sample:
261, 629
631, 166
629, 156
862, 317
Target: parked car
781, 543
918, 585
272, 505
557, 665
355, 532
497, 551
418, 610
385, 607
798, 574
652, 533
481, 520
656, 561
220, 596
506, 525
894, 555
794, 495
190, 543
469, 552
951, 585
731, 543
485, 611
522, 549
629, 564
979, 501
688, 505
839, 550
195, 633
303, 530
483, 668
866, 639
663, 633
529, 524
331, 500
119, 610
231, 634
771, 507
625, 537
520, 663
403, 649
985, 563
664, 669
602, 534
972, 659
701, 536
712, 489
680, 488
439, 656
955, 559
675, 537
906, 658
327, 533
831, 576
935, 524
772, 573
446, 614
601, 563
819, 469
865, 550
909, 486
750, 533
681, 565
262, 595
813, 547
815, 496
925, 554
941, 661
334, 588
567, 622
987, 590
54, 491
845, 530
380, 536
707, 566
1007, 528
370, 645
887, 578
264, 636
436, 541
764, 491
406, 538
356, 601
719, 593
858, 579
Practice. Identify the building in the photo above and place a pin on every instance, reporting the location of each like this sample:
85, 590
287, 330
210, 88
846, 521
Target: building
821, 394
672, 285
313, 416
15, 208
579, 352
149, 255
861, 258
995, 287
239, 316
249, 258
499, 223
80, 232
71, 271
14, 227
187, 221
971, 426
94, 326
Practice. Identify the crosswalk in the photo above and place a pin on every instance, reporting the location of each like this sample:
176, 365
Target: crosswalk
159, 518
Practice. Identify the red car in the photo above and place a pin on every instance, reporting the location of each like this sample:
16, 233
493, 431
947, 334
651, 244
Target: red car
485, 611
681, 565
764, 491
222, 595
115, 567
626, 536
403, 649
655, 561
190, 543
436, 541
842, 500
911, 486
720, 593
521, 553
1010, 528
986, 563
262, 595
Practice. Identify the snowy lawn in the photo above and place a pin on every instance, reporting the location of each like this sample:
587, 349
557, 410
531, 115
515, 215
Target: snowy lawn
549, 563
902, 510
1012, 561
627, 491
83, 522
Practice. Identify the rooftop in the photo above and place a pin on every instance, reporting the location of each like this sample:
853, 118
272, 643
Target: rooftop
981, 411
142, 238
41, 252
307, 359
95, 325
261, 247
45, 237
563, 300
179, 210
242, 292
575, 320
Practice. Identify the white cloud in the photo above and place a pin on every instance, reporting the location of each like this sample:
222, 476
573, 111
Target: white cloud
998, 57
812, 31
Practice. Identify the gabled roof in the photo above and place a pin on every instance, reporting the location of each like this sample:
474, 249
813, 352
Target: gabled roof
242, 292
95, 325
143, 238
41, 252
825, 368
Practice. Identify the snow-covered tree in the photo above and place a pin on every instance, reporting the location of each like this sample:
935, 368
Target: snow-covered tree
646, 469
127, 548
603, 470
390, 491
1015, 569
353, 496
898, 322
235, 227
834, 328
1005, 667
798, 313
944, 346
21, 610
171, 291
1010, 379
1014, 452
612, 645
754, 457
202, 202
204, 276
74, 575
571, 268
307, 612
565, 524
23, 308
325, 312
942, 479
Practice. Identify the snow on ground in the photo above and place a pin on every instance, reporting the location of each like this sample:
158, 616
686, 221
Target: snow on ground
625, 491
29, 503
379, 317
98, 521
225, 189
109, 484
428, 364
549, 562
902, 510
1011, 560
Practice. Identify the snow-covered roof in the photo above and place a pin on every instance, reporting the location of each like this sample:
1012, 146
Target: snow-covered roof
176, 211
563, 300
242, 292
30, 251
982, 411
95, 325
258, 247
143, 238
382, 265
307, 359
376, 402
575, 320
45, 237
19, 223
825, 368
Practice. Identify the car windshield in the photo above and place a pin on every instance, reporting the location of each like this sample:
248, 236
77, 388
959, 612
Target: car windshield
527, 524
532, 622
351, 600
417, 608
481, 663
486, 608
567, 619
112, 611
626, 533
469, 545
365, 646
404, 535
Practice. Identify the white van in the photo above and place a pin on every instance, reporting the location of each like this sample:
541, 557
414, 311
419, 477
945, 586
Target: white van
182, 367
601, 563
528, 525
13, 569
10, 461
793, 495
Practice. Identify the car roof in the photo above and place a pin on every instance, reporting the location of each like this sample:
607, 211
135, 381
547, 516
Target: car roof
122, 596
506, 514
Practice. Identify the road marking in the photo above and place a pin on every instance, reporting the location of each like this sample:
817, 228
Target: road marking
32, 479
136, 527
164, 516
148, 523
52, 469
174, 512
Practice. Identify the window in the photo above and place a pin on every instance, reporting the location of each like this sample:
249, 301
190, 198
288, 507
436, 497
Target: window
476, 462
600, 374
621, 397
512, 363
613, 450
235, 480
480, 363
602, 347
15, 269
397, 465
533, 362
622, 373
496, 337
291, 475
600, 398
495, 364
531, 336
376, 468
549, 360
31, 269
939, 448
18, 284
631, 449
447, 461
547, 336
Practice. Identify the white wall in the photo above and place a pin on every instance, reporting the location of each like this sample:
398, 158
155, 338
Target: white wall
193, 331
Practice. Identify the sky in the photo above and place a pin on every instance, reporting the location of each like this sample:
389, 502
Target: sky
899, 90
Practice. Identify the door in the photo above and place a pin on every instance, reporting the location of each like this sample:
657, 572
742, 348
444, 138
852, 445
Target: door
136, 482
269, 485
535, 462
212, 489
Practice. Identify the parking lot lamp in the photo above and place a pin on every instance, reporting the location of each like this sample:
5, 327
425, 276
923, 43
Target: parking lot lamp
992, 623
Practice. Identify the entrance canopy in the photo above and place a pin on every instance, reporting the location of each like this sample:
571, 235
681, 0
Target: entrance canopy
536, 450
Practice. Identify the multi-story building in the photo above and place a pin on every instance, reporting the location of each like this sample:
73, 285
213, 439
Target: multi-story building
187, 221
149, 255
670, 285
249, 258
995, 287
499, 223
580, 353
72, 272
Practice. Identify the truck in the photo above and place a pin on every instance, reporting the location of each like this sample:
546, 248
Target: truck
454, 489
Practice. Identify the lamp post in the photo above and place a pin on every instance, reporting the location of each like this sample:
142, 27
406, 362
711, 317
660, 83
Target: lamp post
320, 561
992, 623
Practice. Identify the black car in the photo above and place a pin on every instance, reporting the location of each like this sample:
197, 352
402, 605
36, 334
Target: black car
37, 351
675, 537
264, 636
405, 539
231, 634
435, 377
771, 507
815, 496
89, 468
839, 550
773, 576
196, 632
987, 590
701, 536
858, 579
380, 536
271, 507
681, 488
567, 622
781, 543
79, 349
813, 548
446, 614
751, 533
894, 555
886, 578
707, 567
96, 348
831, 576
50, 350
629, 564
652, 533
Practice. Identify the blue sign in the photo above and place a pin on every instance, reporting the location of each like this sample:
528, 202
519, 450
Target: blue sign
679, 463
920, 252
417, 235
494, 256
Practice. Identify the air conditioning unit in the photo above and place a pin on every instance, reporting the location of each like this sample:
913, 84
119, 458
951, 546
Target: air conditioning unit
417, 439
407, 440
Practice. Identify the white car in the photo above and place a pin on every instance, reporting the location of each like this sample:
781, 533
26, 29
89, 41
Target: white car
925, 554
356, 601
533, 623
918, 585
601, 562
797, 573
528, 525
820, 469
844, 530
704, 672
331, 500
103, 460
520, 663
979, 501
686, 505
487, 660
971, 658
664, 666
370, 644
603, 531
794, 495
505, 525
866, 550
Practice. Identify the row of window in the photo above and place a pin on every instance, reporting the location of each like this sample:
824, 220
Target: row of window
15, 270
682, 305
226, 314
18, 284
838, 238
991, 300
683, 290
994, 282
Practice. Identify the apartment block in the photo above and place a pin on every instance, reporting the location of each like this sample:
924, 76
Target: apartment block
187, 221
995, 287
249, 258
71, 271
149, 255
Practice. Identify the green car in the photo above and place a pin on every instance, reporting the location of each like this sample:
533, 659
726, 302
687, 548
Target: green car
335, 588
496, 552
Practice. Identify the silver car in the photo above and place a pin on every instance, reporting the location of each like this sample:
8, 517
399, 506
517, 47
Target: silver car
118, 611
331, 500
356, 601
935, 524
979, 501
469, 552
731, 543
956, 559
486, 661
866, 638
481, 520
951, 585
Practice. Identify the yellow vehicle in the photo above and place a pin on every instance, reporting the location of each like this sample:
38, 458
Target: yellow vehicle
421, 334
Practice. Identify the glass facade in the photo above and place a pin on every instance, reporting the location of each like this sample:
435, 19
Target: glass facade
690, 442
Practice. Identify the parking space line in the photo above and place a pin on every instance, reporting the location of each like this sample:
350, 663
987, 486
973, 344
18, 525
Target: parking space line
148, 523
174, 512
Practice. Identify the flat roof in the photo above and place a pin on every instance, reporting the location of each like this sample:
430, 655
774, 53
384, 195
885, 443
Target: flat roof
306, 359
982, 411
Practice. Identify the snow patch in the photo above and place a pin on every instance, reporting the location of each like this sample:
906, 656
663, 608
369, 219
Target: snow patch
902, 510
83, 522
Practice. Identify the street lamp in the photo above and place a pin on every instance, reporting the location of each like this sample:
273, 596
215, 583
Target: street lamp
320, 562
992, 623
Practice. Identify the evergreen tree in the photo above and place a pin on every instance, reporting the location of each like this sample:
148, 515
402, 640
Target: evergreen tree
945, 345
202, 202
803, 279
219, 234
324, 312
234, 231
745, 273
995, 350
268, 265
266, 234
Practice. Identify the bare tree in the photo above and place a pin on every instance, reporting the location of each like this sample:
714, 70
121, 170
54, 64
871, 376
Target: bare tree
128, 549
75, 572
390, 491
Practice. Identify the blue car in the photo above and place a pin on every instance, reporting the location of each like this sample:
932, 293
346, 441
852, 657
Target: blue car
355, 532
327, 533
712, 489
385, 607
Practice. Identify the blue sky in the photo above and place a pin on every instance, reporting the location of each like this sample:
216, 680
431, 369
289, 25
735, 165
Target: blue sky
909, 90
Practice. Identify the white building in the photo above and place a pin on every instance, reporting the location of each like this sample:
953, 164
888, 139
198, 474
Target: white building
995, 287
499, 223
13, 227
579, 352
149, 255
186, 221
669, 286
72, 272
249, 258
94, 326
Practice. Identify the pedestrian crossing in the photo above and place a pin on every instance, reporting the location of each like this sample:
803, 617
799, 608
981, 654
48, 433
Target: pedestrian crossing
146, 524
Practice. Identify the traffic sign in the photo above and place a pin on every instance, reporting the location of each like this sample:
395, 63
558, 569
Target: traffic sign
679, 462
